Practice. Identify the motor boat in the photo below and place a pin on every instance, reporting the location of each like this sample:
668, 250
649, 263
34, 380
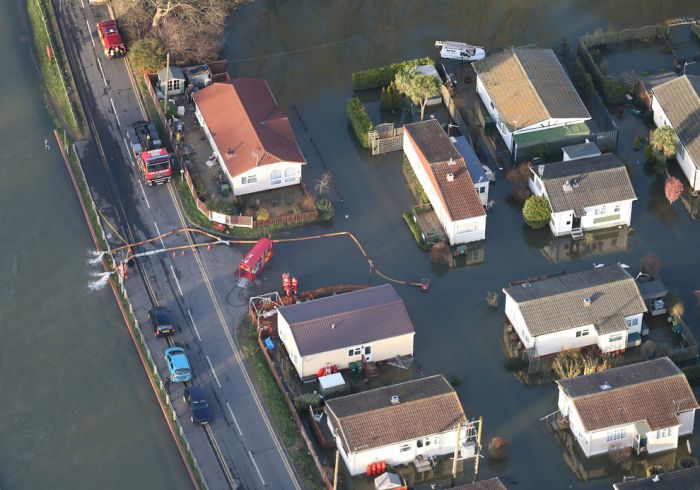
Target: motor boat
453, 50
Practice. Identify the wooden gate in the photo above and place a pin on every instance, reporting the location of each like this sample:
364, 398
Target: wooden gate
385, 138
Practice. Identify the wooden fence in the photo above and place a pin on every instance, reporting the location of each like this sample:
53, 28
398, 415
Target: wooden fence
303, 217
385, 138
454, 111
224, 219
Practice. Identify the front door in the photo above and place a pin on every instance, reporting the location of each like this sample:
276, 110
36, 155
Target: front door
422, 446
576, 222
367, 352
640, 443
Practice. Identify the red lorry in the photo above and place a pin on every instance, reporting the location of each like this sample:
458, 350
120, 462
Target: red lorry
153, 160
112, 41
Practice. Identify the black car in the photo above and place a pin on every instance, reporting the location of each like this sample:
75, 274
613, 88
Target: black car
161, 321
199, 408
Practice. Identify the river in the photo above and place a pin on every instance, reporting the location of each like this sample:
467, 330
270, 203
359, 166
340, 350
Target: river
77, 409
307, 50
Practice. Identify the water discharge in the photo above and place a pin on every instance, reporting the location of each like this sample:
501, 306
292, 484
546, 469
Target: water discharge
96, 257
100, 282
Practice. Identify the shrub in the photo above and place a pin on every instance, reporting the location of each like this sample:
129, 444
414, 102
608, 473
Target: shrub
567, 364
408, 218
492, 299
515, 364
614, 91
536, 212
383, 75
262, 214
325, 209
650, 155
303, 401
147, 55
499, 448
360, 120
673, 188
637, 144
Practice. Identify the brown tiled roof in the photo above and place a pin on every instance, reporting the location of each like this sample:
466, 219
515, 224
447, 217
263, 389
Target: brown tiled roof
652, 391
490, 484
683, 479
680, 100
529, 86
248, 127
440, 157
348, 319
556, 304
594, 181
369, 420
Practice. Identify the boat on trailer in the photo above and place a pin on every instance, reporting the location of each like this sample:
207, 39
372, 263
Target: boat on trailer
453, 50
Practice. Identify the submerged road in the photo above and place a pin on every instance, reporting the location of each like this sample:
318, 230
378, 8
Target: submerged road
240, 444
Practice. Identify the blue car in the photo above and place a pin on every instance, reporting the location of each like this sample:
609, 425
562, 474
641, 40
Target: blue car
199, 408
178, 366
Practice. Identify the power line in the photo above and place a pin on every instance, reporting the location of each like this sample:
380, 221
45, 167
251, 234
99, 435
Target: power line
240, 60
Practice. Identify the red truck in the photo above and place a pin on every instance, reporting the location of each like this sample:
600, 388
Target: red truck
112, 41
153, 160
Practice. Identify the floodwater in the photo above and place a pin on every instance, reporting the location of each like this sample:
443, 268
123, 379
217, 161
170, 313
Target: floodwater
306, 50
77, 411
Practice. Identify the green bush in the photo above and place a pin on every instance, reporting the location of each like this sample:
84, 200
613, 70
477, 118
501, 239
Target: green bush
515, 364
147, 55
583, 80
614, 91
637, 144
262, 215
383, 75
536, 212
692, 373
325, 210
303, 401
408, 218
650, 155
360, 120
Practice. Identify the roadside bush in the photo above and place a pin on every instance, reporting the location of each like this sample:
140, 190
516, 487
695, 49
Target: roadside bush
147, 55
408, 218
536, 212
514, 364
360, 120
383, 75
614, 91
637, 144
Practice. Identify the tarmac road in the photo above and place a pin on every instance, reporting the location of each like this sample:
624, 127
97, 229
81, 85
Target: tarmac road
194, 286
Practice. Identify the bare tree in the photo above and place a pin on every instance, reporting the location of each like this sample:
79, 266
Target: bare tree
195, 12
324, 184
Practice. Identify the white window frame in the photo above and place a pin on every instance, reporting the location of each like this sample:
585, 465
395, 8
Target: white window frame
405, 448
276, 177
660, 434
290, 174
252, 179
616, 434
632, 322
354, 351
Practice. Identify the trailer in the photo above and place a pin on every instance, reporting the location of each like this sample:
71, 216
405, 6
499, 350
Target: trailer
254, 262
153, 160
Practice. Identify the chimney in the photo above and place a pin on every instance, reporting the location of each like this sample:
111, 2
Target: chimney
586, 301
395, 400
450, 177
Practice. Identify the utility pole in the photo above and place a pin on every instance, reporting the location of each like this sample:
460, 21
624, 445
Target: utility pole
167, 76
335, 472
456, 453
478, 450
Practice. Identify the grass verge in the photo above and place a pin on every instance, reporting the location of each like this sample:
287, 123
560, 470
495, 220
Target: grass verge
54, 72
276, 406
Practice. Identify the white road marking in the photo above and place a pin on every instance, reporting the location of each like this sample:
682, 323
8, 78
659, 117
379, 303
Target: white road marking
92, 39
216, 378
128, 150
115, 113
176, 281
238, 427
144, 195
194, 325
256, 467
161, 240
104, 79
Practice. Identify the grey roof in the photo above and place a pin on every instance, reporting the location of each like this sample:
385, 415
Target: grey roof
368, 419
610, 324
529, 86
684, 479
432, 141
578, 184
175, 72
652, 289
582, 150
557, 304
490, 484
476, 171
680, 100
348, 319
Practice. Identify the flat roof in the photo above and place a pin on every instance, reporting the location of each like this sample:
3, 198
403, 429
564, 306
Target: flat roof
476, 171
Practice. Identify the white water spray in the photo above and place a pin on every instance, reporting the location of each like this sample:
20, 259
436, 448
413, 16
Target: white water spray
96, 257
100, 282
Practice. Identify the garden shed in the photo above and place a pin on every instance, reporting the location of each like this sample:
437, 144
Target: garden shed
174, 77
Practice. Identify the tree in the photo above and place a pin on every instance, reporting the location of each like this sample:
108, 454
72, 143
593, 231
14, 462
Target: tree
324, 184
384, 100
664, 141
209, 11
567, 364
418, 86
536, 212
147, 55
673, 188
614, 91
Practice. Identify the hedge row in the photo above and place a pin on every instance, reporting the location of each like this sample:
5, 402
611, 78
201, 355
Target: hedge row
408, 218
360, 120
383, 75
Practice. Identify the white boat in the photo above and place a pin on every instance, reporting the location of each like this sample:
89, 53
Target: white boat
453, 50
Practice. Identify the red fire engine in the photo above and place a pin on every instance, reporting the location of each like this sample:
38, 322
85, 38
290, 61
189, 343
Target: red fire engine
153, 160
112, 41
254, 261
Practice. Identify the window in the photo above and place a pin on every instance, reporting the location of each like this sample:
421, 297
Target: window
243, 180
616, 435
482, 189
368, 350
405, 448
173, 85
464, 227
599, 211
632, 322
275, 177
290, 174
617, 208
252, 179
615, 338
419, 443
660, 434
680, 151
355, 351
582, 333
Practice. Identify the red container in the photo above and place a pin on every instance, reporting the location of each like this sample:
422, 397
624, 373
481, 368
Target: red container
369, 470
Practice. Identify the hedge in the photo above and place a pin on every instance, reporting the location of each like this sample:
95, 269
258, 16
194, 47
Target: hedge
383, 75
408, 218
360, 120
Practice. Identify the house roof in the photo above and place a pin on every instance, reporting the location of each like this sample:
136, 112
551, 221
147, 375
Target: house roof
585, 182
173, 73
587, 149
440, 158
490, 484
556, 304
652, 391
652, 289
683, 479
529, 86
369, 420
476, 171
680, 100
247, 125
347, 319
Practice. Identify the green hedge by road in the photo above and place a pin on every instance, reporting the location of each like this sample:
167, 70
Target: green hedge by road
360, 120
383, 75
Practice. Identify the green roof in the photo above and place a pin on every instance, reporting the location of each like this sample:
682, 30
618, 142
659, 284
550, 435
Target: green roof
550, 135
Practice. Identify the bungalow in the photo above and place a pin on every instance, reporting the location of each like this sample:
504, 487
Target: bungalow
676, 103
442, 172
490, 484
528, 94
682, 479
597, 307
250, 136
474, 167
369, 324
398, 424
585, 194
645, 406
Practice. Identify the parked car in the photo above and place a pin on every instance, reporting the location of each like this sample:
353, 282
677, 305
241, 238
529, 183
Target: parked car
161, 321
179, 370
200, 413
